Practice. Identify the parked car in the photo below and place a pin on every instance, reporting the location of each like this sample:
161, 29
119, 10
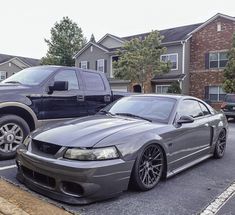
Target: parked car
137, 140
228, 106
39, 95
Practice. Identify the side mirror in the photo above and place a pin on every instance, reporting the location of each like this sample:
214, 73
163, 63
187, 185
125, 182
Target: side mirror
59, 86
185, 119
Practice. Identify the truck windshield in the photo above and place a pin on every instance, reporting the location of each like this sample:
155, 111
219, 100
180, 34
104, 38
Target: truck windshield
30, 76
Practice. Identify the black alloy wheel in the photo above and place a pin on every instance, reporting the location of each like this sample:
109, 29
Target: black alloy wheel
148, 168
220, 145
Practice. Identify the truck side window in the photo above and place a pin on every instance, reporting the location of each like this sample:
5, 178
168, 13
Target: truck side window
68, 75
93, 81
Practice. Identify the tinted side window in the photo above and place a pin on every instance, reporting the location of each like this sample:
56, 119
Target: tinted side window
93, 81
190, 108
205, 110
68, 75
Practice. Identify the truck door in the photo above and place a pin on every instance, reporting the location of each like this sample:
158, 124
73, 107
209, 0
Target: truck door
64, 104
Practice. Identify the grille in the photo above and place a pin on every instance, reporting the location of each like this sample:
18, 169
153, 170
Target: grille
39, 178
46, 148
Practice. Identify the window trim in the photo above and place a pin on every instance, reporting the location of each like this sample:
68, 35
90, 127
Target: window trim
218, 93
101, 60
3, 73
177, 60
161, 85
218, 61
85, 63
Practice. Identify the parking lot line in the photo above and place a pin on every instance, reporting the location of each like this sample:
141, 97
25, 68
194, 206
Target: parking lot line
7, 167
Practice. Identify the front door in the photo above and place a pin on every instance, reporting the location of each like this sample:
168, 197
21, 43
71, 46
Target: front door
191, 140
64, 104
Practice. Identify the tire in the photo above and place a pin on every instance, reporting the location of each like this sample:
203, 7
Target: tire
148, 168
13, 131
220, 145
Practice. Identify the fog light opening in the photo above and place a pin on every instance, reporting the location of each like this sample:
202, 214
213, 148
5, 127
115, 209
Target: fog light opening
72, 189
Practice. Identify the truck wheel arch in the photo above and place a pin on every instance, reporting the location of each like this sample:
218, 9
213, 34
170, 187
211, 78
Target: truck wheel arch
20, 110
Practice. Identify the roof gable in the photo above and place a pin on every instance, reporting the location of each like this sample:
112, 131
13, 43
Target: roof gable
119, 39
88, 45
211, 20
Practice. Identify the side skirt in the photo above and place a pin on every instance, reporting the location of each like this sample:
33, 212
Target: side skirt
186, 166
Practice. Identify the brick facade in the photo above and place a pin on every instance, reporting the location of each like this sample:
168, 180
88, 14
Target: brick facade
207, 40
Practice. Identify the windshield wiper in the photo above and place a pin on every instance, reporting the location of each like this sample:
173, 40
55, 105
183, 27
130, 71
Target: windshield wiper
106, 112
134, 116
12, 82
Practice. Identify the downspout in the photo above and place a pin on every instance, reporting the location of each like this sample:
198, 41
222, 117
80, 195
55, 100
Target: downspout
183, 63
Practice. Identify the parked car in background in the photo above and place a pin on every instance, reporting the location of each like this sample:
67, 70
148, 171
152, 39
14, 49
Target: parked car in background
137, 140
38, 95
228, 106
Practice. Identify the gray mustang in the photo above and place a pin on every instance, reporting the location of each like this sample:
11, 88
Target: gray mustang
135, 141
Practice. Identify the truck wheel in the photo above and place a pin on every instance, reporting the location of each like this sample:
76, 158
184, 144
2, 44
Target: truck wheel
13, 131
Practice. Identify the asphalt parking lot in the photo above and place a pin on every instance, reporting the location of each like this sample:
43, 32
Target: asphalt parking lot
186, 193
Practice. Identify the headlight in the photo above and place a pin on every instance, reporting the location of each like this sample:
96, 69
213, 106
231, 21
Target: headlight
27, 141
92, 154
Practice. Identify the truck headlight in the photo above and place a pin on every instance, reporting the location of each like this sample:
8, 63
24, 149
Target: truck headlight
106, 153
27, 141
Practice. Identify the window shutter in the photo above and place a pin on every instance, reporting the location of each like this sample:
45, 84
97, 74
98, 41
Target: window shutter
207, 61
207, 97
88, 65
96, 65
79, 65
105, 66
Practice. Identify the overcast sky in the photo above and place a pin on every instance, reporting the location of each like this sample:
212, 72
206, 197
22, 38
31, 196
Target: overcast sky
25, 23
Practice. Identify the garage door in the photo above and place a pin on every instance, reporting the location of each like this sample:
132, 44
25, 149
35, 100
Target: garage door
119, 88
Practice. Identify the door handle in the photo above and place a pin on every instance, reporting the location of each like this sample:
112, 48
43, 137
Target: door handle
81, 98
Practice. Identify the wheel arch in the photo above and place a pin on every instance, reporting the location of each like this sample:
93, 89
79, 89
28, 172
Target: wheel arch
20, 110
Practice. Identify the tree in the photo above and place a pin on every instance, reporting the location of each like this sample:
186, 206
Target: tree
229, 71
174, 88
66, 40
139, 59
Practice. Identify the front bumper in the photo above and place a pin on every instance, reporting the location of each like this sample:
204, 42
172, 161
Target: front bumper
73, 182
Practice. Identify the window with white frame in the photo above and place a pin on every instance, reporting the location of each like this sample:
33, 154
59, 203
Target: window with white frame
100, 65
218, 59
162, 89
173, 58
84, 65
3, 75
216, 93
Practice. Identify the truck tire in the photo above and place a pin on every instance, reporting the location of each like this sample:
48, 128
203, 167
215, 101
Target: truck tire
13, 131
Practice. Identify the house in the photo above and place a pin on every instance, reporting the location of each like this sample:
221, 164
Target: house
197, 53
10, 65
100, 55
209, 44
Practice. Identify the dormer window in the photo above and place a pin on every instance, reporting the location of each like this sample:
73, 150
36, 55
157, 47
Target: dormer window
219, 28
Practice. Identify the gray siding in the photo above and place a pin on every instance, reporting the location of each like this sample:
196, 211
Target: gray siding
9, 69
176, 49
92, 57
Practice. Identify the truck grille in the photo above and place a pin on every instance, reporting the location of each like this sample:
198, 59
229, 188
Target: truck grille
46, 148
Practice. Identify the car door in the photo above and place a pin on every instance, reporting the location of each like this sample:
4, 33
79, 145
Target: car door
95, 92
191, 140
64, 104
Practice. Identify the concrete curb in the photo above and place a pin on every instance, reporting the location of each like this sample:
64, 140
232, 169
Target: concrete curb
14, 201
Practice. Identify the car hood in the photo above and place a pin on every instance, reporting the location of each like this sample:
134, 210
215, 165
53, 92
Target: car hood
13, 87
85, 132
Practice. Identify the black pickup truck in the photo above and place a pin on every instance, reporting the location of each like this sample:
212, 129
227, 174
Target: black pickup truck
38, 95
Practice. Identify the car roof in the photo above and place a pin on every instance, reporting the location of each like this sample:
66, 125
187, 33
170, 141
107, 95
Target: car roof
173, 96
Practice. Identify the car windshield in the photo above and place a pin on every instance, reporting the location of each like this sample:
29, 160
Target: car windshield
230, 98
30, 76
149, 108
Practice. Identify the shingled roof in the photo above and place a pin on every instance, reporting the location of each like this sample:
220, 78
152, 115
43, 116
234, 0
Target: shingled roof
29, 61
170, 35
